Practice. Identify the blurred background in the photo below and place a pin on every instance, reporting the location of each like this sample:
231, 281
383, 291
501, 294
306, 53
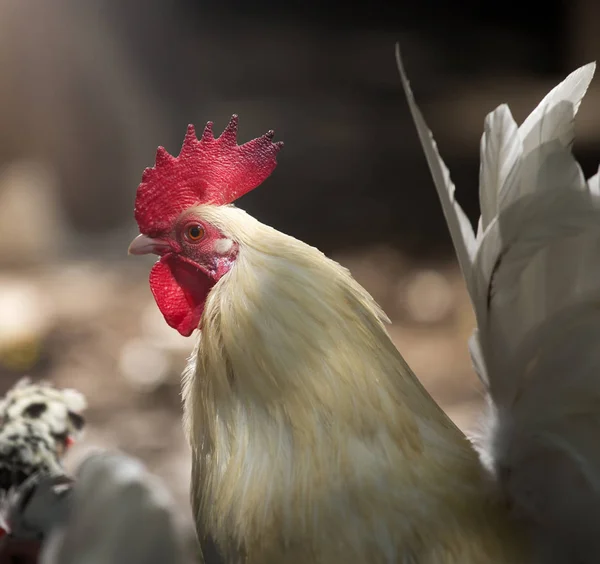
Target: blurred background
88, 90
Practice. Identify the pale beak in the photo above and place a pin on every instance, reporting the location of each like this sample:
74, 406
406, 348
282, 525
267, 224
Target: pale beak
144, 245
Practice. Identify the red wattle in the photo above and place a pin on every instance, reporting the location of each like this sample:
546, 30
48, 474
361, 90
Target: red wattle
180, 291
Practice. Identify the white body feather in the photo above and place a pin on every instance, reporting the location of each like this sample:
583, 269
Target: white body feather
533, 273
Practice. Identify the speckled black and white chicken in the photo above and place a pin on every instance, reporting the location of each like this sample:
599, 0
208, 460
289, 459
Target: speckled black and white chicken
111, 511
38, 423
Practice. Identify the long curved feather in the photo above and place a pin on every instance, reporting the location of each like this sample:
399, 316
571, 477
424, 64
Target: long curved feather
458, 223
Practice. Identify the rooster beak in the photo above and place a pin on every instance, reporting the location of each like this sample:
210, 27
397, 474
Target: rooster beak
144, 245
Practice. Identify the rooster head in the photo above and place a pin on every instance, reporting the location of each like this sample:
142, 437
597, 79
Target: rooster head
194, 254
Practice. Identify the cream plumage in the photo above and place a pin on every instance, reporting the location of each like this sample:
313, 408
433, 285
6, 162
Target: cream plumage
533, 274
313, 440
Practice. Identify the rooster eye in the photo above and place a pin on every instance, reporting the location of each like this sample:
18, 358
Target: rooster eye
195, 232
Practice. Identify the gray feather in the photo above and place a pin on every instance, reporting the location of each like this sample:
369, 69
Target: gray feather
119, 514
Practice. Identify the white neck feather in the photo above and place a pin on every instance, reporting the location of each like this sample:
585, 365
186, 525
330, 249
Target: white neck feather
295, 392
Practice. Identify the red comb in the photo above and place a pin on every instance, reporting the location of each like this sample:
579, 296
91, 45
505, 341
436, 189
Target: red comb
207, 171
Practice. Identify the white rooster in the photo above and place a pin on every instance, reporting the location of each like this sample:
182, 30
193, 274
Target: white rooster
312, 440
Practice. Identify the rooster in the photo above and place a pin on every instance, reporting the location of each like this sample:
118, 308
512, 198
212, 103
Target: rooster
311, 438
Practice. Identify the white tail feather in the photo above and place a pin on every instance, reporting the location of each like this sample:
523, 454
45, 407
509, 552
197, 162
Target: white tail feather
458, 223
534, 280
501, 148
552, 118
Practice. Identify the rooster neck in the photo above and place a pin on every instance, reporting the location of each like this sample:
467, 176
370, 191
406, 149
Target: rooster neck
294, 336
299, 407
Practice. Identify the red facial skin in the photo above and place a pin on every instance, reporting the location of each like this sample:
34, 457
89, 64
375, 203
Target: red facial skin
209, 170
189, 267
